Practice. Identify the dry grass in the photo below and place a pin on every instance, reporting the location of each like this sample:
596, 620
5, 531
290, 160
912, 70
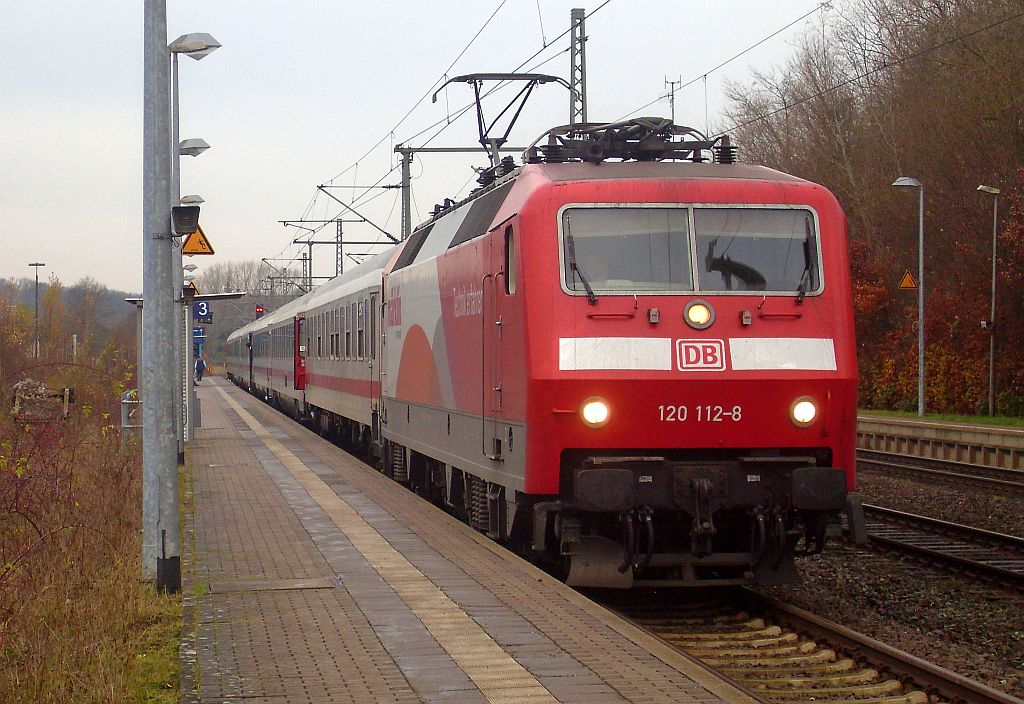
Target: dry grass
76, 622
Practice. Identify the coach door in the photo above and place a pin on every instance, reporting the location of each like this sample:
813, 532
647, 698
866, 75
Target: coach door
299, 352
495, 286
248, 347
375, 322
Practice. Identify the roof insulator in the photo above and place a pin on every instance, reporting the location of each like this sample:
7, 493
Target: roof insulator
724, 152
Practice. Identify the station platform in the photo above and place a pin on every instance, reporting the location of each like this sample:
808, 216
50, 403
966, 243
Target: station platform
310, 577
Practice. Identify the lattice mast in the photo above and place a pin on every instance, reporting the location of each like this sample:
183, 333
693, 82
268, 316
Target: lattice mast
578, 69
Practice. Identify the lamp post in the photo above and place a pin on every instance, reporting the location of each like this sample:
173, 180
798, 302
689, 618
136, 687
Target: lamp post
994, 192
907, 182
36, 265
195, 45
160, 544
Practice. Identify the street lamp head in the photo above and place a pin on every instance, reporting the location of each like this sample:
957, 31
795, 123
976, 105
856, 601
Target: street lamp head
195, 45
989, 189
191, 200
37, 264
906, 182
192, 147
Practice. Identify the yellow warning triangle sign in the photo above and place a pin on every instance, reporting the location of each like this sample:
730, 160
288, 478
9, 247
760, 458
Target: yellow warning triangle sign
196, 243
908, 280
192, 286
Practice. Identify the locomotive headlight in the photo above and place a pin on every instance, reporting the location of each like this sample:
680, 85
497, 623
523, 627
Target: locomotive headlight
803, 412
595, 412
699, 315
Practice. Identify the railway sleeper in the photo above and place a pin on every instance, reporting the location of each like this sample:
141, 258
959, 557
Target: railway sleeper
883, 688
801, 679
717, 636
720, 660
823, 667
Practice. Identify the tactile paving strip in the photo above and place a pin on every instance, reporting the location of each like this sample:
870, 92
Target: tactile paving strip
498, 676
632, 664
285, 543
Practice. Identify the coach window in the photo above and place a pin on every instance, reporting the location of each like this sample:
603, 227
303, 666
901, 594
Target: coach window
336, 337
350, 317
626, 250
510, 261
360, 335
373, 326
756, 249
348, 334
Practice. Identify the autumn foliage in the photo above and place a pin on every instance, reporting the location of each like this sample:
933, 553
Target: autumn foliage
934, 90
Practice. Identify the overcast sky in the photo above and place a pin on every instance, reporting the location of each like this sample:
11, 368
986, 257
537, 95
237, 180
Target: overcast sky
297, 96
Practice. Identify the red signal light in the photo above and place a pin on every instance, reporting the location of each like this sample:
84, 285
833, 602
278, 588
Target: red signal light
260, 310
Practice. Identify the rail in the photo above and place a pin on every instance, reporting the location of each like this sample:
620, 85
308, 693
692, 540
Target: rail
944, 470
979, 551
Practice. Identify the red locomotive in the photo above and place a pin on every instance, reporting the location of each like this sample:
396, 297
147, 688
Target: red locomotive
623, 355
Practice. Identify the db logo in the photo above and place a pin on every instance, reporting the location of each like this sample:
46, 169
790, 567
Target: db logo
700, 355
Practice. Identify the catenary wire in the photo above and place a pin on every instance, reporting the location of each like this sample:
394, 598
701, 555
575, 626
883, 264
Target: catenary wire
448, 120
427, 93
732, 58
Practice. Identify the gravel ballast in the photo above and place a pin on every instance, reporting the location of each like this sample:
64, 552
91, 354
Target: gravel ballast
970, 627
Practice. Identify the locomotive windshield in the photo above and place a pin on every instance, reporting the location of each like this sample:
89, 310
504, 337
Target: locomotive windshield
617, 250
627, 249
755, 249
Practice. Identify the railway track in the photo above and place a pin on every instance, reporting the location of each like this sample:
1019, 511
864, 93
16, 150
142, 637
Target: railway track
947, 471
787, 655
974, 550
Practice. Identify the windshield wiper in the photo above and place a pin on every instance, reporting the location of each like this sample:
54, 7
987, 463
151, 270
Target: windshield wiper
805, 278
570, 247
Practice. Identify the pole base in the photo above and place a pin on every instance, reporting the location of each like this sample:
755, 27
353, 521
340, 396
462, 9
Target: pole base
168, 575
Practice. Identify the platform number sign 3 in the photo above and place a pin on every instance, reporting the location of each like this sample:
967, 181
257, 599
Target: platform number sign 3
201, 312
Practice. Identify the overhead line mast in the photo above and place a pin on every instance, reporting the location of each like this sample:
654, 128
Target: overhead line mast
578, 69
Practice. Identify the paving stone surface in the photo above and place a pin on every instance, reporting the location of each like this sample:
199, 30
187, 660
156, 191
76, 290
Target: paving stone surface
309, 577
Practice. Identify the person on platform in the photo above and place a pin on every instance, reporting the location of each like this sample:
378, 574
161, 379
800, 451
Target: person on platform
200, 368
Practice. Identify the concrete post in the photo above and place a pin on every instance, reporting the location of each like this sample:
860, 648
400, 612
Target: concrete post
181, 387
160, 541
